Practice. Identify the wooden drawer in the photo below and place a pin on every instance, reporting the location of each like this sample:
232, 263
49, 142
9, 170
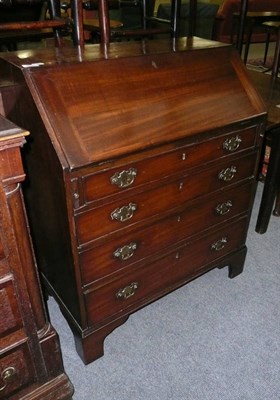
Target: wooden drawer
16, 370
10, 317
128, 176
148, 283
103, 220
122, 251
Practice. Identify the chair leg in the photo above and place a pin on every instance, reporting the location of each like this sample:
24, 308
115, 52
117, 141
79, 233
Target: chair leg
276, 210
54, 8
248, 42
78, 30
271, 183
266, 47
276, 60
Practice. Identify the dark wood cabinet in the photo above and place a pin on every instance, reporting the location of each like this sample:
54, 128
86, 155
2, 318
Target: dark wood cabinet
30, 359
142, 162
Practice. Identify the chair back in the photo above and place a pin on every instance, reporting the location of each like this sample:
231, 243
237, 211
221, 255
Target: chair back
21, 19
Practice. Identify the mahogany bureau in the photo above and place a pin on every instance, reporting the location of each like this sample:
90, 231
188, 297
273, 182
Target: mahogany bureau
30, 360
142, 161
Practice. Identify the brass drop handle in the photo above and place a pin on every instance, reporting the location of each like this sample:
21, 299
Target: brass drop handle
124, 213
219, 245
128, 291
223, 208
6, 375
125, 252
124, 178
232, 144
227, 174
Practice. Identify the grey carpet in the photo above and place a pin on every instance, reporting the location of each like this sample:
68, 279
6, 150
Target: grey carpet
213, 339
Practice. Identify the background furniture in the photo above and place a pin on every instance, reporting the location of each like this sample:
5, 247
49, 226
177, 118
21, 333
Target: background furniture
138, 191
270, 157
274, 27
270, 92
271, 191
25, 20
128, 19
224, 20
254, 21
204, 20
30, 360
150, 26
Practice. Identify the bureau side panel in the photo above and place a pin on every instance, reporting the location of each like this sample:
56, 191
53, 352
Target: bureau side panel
45, 196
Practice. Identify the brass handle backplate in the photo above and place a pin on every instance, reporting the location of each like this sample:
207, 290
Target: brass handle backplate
223, 208
219, 245
232, 144
125, 252
6, 375
124, 178
127, 292
227, 174
124, 213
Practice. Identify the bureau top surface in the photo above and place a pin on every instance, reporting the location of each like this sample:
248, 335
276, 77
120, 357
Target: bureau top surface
107, 106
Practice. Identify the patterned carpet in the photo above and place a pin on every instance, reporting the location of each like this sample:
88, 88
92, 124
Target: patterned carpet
257, 64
